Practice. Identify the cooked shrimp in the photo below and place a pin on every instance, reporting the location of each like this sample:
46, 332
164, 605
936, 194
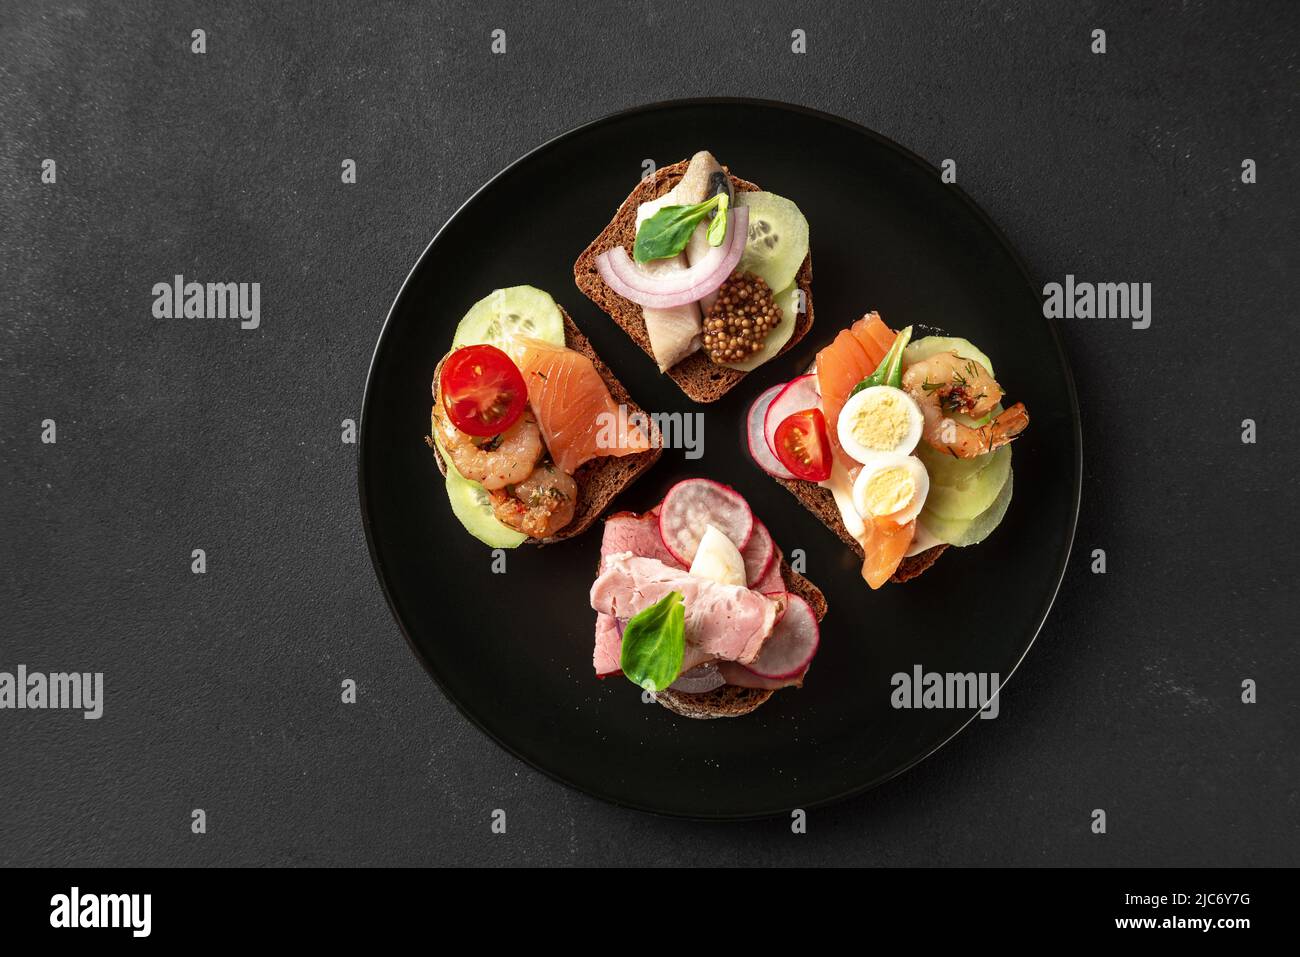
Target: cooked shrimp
540, 505
946, 383
493, 462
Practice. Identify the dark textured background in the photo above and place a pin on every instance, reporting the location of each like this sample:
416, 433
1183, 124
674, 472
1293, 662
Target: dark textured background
223, 690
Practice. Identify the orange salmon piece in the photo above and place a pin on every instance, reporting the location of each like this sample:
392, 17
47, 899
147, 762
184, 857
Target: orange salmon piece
578, 418
885, 544
871, 328
841, 366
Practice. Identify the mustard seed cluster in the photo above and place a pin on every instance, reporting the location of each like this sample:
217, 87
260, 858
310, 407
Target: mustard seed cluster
741, 317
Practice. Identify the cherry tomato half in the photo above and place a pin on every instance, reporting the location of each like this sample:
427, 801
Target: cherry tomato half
482, 390
803, 446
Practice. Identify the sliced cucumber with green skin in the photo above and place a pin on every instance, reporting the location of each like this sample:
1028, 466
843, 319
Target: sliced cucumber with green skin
516, 311
971, 531
778, 238
945, 469
470, 504
787, 300
965, 499
919, 349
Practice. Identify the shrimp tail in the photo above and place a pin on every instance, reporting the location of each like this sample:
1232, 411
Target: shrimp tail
1009, 424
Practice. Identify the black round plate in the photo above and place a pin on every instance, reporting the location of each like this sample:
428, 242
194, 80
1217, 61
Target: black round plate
513, 650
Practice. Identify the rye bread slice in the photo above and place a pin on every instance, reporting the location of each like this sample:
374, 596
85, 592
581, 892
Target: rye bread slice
600, 479
821, 503
698, 376
730, 701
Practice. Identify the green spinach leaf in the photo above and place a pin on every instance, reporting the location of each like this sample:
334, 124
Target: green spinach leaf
718, 227
667, 232
654, 643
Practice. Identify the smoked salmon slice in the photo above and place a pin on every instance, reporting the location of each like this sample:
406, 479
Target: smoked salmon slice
871, 328
848, 360
884, 544
578, 417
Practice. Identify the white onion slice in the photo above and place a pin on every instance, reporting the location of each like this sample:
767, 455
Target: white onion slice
632, 282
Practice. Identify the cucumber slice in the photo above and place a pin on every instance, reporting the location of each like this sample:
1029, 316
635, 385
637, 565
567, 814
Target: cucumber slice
469, 503
502, 313
778, 238
787, 300
919, 349
967, 498
946, 470
975, 530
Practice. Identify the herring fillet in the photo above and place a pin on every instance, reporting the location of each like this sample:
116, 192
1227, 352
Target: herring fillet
675, 333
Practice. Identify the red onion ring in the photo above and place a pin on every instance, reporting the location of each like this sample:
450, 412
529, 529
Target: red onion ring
631, 282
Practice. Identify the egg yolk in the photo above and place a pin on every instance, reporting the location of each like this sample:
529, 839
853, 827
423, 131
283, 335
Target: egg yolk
883, 424
889, 490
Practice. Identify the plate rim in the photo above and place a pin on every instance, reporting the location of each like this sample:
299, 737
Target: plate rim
1076, 426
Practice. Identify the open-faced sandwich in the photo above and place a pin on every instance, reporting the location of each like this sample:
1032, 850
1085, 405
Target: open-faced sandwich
900, 447
532, 431
695, 604
708, 274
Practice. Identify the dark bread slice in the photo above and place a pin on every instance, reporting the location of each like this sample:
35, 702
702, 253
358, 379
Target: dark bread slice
730, 701
697, 375
821, 503
600, 479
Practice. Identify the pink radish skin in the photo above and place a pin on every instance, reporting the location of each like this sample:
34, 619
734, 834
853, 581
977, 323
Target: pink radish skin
772, 580
693, 504
759, 450
792, 644
798, 394
740, 676
758, 554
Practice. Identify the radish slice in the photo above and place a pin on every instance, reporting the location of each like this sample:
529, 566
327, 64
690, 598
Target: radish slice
791, 645
758, 554
684, 286
692, 506
798, 394
759, 450
740, 676
773, 580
